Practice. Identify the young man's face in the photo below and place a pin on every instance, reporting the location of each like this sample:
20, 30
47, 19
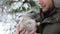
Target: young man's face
45, 4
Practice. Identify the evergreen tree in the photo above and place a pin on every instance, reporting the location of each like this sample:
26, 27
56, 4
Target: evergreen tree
25, 5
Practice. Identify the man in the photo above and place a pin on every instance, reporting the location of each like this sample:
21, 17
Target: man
50, 23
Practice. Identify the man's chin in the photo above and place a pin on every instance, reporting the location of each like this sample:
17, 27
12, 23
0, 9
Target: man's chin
44, 10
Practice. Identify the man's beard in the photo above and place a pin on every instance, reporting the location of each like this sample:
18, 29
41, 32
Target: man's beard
48, 12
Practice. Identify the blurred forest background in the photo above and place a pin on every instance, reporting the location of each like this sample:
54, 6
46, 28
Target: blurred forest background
10, 10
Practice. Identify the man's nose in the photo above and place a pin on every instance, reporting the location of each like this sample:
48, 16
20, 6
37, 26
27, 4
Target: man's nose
40, 1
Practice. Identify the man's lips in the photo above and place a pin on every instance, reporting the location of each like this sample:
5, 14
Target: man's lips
43, 6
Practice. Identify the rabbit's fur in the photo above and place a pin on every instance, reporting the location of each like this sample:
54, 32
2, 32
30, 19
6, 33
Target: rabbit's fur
29, 21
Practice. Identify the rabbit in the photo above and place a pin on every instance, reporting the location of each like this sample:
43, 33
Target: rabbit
27, 23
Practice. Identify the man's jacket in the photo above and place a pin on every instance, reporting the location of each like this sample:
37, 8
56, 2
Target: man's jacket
53, 18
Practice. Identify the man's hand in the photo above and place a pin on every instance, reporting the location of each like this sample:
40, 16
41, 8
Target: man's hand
18, 30
33, 31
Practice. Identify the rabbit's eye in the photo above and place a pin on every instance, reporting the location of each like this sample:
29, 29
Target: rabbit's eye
32, 12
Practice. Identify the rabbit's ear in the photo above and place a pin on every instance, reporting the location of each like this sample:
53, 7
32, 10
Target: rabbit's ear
38, 23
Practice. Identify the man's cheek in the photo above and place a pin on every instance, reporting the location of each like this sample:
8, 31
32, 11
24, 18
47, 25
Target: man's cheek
46, 1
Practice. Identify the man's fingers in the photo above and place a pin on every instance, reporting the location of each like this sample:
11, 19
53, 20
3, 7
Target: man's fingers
17, 29
23, 31
33, 31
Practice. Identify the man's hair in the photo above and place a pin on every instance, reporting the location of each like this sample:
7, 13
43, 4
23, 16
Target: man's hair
53, 3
